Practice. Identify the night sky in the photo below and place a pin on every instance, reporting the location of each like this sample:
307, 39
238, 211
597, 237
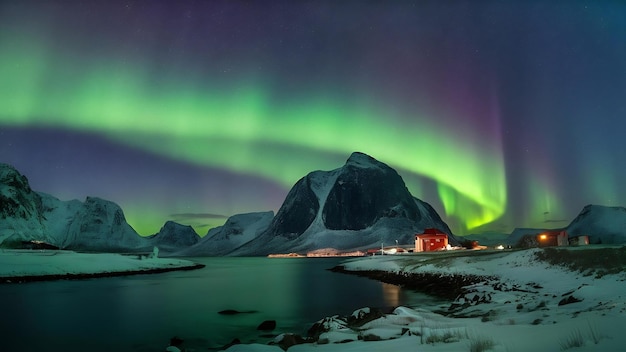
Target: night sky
500, 114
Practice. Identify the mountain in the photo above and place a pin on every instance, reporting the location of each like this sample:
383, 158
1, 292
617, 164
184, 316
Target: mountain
21, 215
93, 225
174, 236
606, 225
237, 231
358, 206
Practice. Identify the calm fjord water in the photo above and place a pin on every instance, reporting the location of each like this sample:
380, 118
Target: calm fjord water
141, 313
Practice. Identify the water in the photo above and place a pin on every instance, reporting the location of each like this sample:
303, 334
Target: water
141, 313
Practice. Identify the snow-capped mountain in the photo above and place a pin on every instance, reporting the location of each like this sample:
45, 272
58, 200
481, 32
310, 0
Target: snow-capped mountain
237, 231
358, 206
606, 225
93, 225
174, 236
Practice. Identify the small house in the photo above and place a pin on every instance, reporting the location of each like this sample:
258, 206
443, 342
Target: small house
431, 240
581, 240
554, 238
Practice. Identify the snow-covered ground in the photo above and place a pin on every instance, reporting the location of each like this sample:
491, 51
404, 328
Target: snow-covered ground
32, 264
520, 307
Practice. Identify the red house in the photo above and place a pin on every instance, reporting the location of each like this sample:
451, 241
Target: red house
552, 238
431, 240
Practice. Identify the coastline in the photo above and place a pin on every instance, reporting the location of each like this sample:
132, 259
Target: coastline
496, 301
86, 276
20, 266
443, 286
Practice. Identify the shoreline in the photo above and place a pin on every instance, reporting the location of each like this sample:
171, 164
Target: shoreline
51, 265
87, 276
448, 287
537, 299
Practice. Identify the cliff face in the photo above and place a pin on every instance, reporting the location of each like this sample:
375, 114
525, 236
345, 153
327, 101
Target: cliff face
364, 192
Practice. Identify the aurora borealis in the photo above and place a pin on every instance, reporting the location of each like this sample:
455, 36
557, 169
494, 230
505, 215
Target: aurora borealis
501, 114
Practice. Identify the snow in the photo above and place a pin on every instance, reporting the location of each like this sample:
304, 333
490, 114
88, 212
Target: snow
522, 312
238, 230
33, 263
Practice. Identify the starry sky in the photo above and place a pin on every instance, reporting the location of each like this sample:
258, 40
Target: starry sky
500, 114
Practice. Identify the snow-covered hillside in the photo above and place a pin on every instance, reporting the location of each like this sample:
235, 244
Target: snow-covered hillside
606, 225
237, 231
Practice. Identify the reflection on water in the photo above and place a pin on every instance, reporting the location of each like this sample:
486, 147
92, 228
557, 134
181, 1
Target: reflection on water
140, 313
391, 294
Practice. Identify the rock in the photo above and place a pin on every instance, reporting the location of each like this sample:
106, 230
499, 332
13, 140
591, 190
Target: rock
235, 312
235, 341
267, 325
569, 300
176, 344
284, 341
363, 316
325, 325
370, 337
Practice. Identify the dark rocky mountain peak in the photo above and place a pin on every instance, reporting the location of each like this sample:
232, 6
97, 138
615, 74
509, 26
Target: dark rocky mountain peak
359, 205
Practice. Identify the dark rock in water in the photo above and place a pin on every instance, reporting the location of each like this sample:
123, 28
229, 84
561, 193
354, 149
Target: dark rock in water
267, 325
235, 312
228, 312
176, 342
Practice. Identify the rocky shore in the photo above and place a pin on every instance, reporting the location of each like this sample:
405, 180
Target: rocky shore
448, 286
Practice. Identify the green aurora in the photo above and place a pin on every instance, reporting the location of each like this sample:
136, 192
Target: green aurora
242, 127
